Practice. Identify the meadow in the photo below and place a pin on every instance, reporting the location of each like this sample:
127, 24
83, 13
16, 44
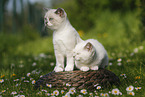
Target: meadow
23, 62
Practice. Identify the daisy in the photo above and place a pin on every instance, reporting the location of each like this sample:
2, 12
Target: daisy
119, 64
14, 92
34, 64
33, 82
119, 60
115, 91
2, 76
137, 88
91, 94
67, 84
106, 95
28, 74
16, 80
1, 80
98, 87
49, 85
3, 91
62, 91
56, 92
26, 81
22, 78
13, 75
67, 95
131, 93
72, 90
80, 96
84, 91
130, 88
22, 96
47, 94
102, 94
44, 90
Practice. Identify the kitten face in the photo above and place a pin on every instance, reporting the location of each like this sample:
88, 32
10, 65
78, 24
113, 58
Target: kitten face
54, 18
83, 52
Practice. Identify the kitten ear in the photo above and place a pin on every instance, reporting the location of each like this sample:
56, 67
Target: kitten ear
46, 9
60, 12
88, 46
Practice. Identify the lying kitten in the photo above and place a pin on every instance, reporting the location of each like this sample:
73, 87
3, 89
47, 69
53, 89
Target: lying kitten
65, 37
90, 54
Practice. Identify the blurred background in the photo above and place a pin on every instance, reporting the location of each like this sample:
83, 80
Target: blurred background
118, 24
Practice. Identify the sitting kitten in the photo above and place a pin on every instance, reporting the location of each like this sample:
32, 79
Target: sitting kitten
65, 37
90, 54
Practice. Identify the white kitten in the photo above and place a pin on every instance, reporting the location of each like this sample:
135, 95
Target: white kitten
90, 54
65, 38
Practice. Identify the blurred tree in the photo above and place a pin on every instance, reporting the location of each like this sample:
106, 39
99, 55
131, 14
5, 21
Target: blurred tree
2, 10
142, 2
14, 16
22, 12
87, 10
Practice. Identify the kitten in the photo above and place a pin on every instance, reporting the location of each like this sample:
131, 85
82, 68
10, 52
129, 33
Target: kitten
65, 38
90, 54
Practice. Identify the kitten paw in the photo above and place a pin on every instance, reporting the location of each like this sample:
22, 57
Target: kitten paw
58, 69
68, 68
84, 68
94, 68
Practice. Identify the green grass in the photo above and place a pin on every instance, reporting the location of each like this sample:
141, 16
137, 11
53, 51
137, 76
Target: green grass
120, 35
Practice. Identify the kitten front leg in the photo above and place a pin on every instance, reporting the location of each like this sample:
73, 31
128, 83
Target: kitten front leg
70, 62
84, 68
59, 62
94, 67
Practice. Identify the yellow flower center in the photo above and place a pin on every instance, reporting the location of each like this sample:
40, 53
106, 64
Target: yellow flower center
115, 91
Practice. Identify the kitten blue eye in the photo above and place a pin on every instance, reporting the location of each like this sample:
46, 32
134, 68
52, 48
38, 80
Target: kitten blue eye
50, 19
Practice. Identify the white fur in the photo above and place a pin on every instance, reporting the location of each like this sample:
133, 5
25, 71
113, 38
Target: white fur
91, 58
65, 38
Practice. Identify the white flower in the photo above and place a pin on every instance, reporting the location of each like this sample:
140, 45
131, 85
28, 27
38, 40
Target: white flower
84, 91
16, 80
1, 80
141, 47
67, 95
131, 93
72, 90
130, 88
56, 92
34, 64
98, 87
136, 50
49, 85
14, 92
62, 91
22, 78
110, 64
28, 74
3, 91
137, 88
26, 81
67, 84
80, 96
115, 91
47, 94
52, 64
104, 95
22, 96
119, 60
33, 82
44, 90
119, 64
